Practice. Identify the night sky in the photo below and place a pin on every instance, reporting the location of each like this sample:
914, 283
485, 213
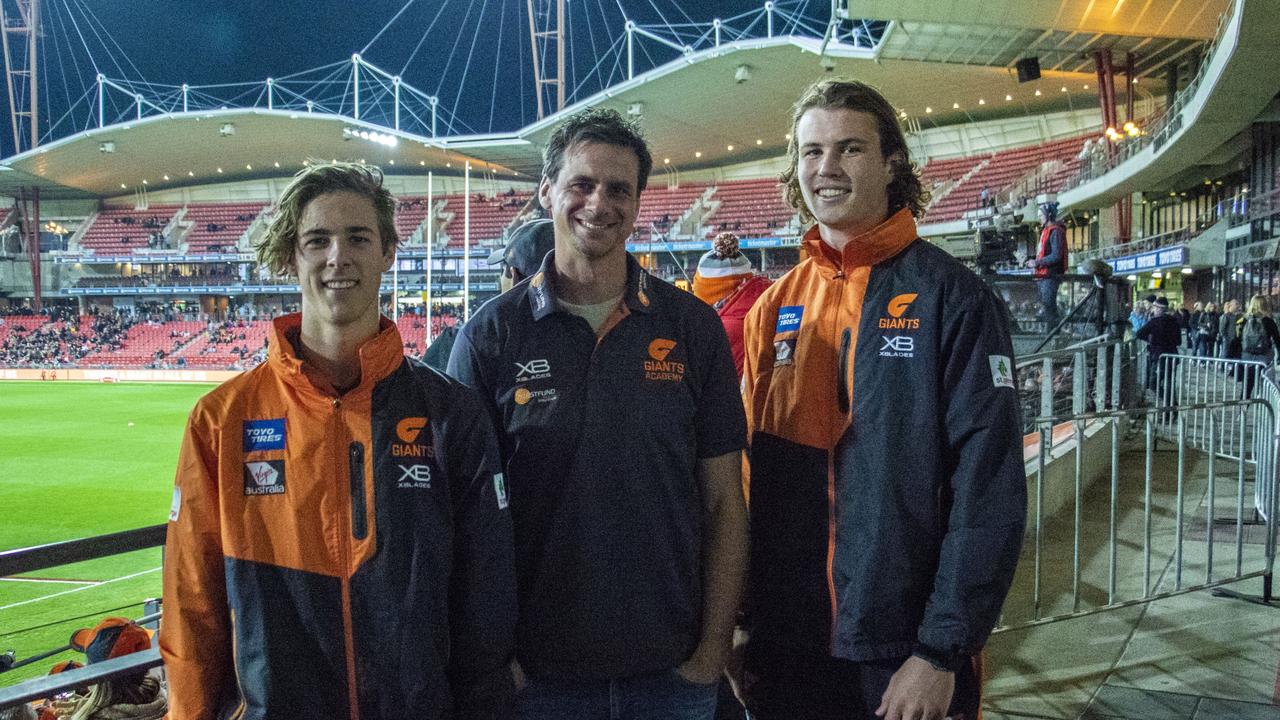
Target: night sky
473, 54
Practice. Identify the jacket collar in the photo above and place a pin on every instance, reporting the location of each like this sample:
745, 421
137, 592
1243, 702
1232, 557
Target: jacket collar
542, 294
380, 355
870, 248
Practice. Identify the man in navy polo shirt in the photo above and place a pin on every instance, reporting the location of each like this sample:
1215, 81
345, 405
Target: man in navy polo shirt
621, 427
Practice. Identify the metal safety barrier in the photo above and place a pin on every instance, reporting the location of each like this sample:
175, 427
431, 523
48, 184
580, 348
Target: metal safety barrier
1126, 472
1189, 380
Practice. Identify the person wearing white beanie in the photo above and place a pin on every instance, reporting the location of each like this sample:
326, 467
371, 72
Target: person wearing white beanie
726, 281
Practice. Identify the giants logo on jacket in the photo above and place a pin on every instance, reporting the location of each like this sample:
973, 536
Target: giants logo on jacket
413, 444
897, 306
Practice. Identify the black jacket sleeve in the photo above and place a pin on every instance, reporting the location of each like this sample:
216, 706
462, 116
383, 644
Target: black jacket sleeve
987, 488
482, 590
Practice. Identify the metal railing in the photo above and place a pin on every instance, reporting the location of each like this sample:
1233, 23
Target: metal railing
1159, 538
1103, 416
43, 557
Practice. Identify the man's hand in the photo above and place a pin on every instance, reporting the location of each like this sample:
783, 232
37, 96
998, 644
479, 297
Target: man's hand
917, 691
1030, 263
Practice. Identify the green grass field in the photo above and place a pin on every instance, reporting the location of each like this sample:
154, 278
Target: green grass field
77, 460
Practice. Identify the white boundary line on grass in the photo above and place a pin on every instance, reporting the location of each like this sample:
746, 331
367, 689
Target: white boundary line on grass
79, 589
49, 580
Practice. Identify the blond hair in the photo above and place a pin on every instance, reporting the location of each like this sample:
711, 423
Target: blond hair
280, 242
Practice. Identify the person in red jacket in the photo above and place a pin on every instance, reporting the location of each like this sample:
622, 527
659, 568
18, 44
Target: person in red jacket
726, 282
1050, 263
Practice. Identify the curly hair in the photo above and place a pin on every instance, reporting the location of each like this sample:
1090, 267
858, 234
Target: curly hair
598, 125
905, 190
279, 243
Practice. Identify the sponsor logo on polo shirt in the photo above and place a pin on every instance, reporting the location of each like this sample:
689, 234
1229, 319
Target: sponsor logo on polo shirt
263, 434
897, 307
539, 294
409, 432
658, 367
524, 396
414, 477
537, 369
264, 477
901, 346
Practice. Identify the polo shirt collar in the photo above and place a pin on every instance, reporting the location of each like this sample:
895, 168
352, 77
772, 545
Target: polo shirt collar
870, 248
542, 296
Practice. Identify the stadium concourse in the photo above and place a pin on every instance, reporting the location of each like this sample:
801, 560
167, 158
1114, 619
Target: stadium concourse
1144, 587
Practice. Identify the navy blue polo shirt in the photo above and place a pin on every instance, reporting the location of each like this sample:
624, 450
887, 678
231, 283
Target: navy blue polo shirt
601, 438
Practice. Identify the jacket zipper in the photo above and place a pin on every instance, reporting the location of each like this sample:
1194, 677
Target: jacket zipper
359, 523
842, 381
344, 570
842, 402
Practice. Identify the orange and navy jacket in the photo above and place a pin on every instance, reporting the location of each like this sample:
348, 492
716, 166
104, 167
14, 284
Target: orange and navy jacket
335, 555
886, 486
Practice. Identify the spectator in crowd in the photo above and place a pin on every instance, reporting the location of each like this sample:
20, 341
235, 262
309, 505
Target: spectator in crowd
140, 696
1206, 342
1183, 315
622, 430
1141, 311
1229, 331
524, 252
1163, 336
725, 281
1050, 263
883, 612
417, 563
1258, 335
1192, 326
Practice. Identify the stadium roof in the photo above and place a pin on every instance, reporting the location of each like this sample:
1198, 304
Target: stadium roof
934, 62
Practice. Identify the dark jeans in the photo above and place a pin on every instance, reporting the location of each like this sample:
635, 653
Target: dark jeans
1048, 290
663, 695
827, 688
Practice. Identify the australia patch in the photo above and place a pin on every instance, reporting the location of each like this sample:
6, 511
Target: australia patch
264, 477
789, 317
784, 352
263, 435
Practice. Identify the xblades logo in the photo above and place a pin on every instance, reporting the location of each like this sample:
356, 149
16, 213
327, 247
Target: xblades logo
409, 428
414, 476
901, 346
533, 369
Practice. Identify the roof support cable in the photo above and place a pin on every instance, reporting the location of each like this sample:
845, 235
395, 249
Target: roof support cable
390, 22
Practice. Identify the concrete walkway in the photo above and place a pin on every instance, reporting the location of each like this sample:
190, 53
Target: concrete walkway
1190, 656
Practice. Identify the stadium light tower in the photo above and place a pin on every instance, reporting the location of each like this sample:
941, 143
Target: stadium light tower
18, 34
558, 33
